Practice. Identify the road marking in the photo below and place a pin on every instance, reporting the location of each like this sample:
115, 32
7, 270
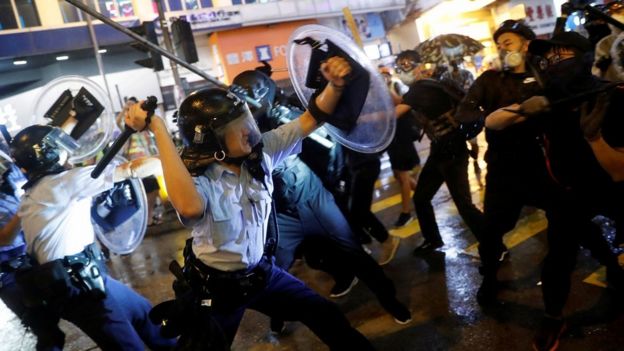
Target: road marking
527, 227
598, 278
405, 231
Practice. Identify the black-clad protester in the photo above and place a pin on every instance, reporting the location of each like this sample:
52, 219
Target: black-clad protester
584, 146
305, 208
516, 171
434, 103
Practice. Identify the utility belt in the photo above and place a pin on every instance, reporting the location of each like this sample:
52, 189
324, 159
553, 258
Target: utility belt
55, 281
227, 290
10, 266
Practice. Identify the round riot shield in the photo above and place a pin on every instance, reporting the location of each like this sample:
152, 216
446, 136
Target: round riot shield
617, 53
119, 215
374, 128
80, 103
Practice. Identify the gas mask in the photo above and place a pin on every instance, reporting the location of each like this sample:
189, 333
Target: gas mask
407, 78
511, 59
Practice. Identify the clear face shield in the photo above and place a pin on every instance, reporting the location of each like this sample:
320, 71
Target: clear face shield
240, 135
59, 139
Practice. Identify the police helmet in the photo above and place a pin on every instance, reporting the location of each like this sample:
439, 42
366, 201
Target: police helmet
32, 150
517, 27
205, 117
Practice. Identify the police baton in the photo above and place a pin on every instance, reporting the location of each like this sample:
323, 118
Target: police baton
148, 105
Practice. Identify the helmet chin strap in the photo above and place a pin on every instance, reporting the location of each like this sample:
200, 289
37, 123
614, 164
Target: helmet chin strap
253, 162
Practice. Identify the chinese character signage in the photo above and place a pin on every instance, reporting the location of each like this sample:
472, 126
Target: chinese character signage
540, 15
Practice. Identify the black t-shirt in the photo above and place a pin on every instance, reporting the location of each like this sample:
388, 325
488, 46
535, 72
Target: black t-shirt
432, 99
518, 144
571, 158
429, 97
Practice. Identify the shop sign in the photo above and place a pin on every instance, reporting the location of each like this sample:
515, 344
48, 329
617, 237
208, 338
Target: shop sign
262, 53
540, 15
213, 19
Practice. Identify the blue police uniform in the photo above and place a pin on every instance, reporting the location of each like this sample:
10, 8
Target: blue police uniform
42, 324
55, 214
229, 241
305, 209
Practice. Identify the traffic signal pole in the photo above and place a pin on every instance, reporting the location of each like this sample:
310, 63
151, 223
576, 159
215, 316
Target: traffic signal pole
155, 48
98, 56
164, 26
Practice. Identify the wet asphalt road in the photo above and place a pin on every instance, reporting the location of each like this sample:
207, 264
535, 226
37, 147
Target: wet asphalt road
439, 290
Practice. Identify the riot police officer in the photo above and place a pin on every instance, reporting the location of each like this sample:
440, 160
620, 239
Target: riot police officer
228, 202
13, 256
306, 209
68, 275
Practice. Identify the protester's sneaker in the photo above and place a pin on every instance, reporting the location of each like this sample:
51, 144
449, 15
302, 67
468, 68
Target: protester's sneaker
404, 219
342, 288
547, 337
486, 295
397, 310
389, 251
427, 247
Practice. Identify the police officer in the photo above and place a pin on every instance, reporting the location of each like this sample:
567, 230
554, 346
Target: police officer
306, 209
68, 275
435, 102
13, 257
228, 204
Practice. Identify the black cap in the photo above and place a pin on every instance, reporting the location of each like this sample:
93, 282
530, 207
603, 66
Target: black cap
513, 26
565, 39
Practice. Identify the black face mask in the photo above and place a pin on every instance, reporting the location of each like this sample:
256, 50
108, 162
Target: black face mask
568, 77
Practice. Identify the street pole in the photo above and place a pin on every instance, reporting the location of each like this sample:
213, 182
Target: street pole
98, 56
164, 26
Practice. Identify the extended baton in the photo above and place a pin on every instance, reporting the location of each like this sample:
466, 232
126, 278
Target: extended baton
148, 105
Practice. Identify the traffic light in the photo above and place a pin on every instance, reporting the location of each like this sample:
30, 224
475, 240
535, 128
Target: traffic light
183, 41
148, 31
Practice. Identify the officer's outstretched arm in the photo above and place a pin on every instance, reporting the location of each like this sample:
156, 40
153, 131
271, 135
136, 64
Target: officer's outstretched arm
179, 183
138, 168
334, 70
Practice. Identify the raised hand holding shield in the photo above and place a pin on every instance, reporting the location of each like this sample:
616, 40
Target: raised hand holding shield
371, 127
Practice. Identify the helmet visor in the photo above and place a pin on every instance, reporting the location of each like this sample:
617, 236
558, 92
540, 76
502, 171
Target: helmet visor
58, 138
239, 135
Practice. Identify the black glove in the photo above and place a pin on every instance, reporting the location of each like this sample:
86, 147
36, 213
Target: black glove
534, 106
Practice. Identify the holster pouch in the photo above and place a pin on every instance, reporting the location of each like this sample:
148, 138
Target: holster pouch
52, 282
87, 270
228, 290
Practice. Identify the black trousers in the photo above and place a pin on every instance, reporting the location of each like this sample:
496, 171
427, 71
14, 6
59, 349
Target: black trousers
570, 228
452, 170
510, 187
362, 219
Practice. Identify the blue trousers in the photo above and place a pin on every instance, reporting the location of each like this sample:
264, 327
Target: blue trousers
117, 322
287, 298
330, 242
